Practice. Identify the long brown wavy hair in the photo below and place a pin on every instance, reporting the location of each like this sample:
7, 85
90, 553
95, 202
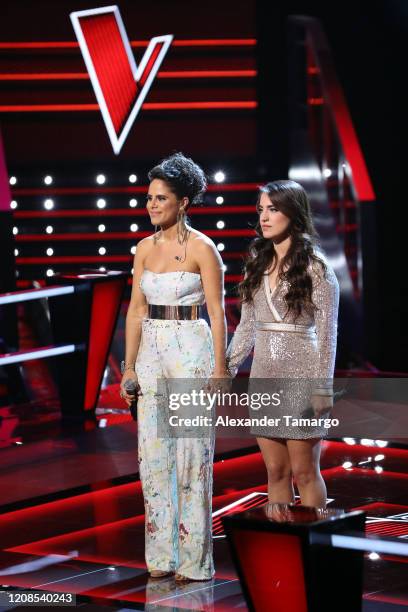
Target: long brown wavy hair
291, 199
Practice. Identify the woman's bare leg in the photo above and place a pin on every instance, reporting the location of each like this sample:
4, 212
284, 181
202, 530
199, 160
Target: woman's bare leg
305, 463
276, 457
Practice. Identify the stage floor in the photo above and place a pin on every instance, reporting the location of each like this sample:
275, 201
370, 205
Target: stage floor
72, 519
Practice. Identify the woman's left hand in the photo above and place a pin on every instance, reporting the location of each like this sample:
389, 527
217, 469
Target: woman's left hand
321, 404
219, 381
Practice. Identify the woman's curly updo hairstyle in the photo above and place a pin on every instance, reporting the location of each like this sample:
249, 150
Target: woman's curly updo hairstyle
184, 177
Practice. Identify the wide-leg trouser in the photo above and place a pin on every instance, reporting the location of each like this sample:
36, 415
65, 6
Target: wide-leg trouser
176, 473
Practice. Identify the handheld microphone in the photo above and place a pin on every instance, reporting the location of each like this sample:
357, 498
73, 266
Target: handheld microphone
131, 387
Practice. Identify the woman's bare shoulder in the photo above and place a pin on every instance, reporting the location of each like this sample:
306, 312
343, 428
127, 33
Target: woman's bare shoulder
145, 244
203, 250
143, 248
201, 241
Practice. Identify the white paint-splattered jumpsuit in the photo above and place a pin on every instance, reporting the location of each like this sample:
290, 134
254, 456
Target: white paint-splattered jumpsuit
176, 473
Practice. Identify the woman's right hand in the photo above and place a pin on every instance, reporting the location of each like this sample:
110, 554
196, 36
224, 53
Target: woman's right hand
129, 375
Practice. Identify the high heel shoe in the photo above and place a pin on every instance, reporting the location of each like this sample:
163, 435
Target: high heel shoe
159, 573
180, 578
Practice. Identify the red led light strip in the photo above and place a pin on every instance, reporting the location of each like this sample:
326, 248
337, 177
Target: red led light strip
148, 106
388, 528
100, 190
210, 42
228, 278
174, 74
118, 235
253, 502
67, 259
125, 212
24, 284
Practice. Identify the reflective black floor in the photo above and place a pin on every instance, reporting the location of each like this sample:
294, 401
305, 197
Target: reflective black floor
72, 519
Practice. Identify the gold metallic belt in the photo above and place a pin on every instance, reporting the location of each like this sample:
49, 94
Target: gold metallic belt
288, 327
182, 313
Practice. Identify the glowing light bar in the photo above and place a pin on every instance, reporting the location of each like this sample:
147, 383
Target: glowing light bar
236, 503
34, 294
147, 106
200, 42
70, 259
368, 544
128, 189
169, 74
70, 236
40, 353
124, 212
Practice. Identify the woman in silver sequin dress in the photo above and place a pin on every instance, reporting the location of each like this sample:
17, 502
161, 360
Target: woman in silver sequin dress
290, 298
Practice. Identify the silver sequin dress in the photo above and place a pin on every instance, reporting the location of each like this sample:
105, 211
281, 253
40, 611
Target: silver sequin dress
289, 349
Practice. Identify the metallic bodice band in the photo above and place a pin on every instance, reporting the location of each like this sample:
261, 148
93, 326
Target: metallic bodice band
285, 327
179, 313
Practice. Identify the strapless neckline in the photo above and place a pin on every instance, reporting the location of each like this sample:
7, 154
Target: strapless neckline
172, 272
175, 288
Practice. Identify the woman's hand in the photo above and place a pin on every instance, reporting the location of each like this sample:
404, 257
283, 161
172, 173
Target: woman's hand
221, 373
219, 381
129, 375
321, 404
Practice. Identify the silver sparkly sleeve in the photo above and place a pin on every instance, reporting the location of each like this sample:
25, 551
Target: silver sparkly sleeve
243, 339
325, 296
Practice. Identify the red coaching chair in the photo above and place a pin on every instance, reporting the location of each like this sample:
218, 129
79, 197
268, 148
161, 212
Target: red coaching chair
285, 564
86, 318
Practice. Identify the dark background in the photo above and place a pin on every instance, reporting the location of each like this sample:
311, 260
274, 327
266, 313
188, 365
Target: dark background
368, 41
369, 47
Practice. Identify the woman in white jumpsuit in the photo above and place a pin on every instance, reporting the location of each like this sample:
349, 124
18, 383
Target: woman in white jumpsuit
176, 270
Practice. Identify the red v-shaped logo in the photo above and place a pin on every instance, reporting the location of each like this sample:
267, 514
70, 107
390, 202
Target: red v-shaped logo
120, 86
